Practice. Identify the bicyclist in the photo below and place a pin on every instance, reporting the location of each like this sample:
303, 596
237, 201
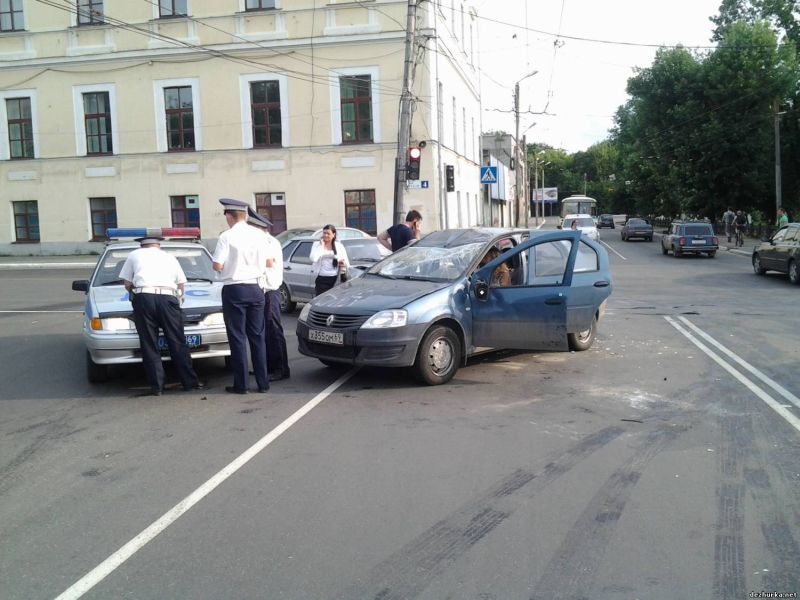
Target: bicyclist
740, 222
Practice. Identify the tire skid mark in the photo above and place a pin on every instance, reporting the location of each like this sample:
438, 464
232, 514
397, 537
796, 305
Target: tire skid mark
413, 567
570, 574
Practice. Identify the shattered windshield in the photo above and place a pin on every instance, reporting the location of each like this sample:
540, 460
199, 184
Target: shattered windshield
426, 263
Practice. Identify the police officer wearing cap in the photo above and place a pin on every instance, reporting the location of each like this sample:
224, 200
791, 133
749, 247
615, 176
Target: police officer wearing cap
241, 258
155, 281
277, 356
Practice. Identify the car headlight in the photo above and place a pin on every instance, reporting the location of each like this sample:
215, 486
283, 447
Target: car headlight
386, 319
304, 313
112, 324
213, 319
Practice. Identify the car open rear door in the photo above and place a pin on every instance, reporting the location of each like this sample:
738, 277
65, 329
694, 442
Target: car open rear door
531, 314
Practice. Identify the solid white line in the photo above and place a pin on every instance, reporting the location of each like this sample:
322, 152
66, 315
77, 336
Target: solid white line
770, 382
13, 312
769, 400
101, 571
614, 251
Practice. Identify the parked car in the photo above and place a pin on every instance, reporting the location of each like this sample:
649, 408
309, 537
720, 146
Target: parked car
637, 228
605, 221
298, 276
108, 328
585, 224
690, 237
780, 253
431, 305
342, 233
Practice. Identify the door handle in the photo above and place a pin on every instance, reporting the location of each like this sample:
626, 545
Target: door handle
554, 301
601, 283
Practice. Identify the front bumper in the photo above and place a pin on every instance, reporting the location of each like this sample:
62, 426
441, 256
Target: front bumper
122, 347
393, 347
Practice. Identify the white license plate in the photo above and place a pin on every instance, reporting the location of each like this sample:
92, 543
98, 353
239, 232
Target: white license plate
326, 337
699, 242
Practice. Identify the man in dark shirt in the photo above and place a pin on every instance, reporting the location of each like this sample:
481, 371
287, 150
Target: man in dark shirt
400, 235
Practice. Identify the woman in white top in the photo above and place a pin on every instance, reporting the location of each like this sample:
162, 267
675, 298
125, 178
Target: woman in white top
329, 259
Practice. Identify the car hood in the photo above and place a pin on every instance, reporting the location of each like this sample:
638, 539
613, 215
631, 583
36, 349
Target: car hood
199, 296
372, 294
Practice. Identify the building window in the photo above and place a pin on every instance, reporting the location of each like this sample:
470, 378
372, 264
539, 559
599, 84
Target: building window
265, 103
356, 105
97, 122
90, 12
103, 213
180, 118
273, 207
259, 4
359, 210
172, 8
185, 211
26, 220
11, 15
20, 127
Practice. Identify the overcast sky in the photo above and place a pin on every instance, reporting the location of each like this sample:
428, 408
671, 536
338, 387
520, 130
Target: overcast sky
581, 83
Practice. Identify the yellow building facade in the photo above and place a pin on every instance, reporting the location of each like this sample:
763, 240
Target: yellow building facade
142, 113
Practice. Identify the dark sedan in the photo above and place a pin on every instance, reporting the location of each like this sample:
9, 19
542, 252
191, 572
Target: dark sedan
637, 228
780, 253
605, 221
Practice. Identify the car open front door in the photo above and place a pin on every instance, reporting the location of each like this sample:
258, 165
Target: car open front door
531, 313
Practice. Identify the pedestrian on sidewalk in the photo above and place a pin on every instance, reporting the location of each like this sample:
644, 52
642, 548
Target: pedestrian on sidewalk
727, 218
783, 218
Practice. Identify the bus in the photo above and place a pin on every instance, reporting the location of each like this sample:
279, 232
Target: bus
578, 205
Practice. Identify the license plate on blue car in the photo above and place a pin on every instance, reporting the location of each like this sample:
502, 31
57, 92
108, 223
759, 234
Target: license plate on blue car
193, 340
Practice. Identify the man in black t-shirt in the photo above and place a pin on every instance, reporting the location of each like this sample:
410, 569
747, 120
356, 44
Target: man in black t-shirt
400, 235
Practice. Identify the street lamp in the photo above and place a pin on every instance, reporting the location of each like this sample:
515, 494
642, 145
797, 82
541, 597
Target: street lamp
516, 142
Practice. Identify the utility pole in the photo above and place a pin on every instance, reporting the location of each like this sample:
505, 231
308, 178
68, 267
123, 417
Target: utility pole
404, 127
516, 155
778, 190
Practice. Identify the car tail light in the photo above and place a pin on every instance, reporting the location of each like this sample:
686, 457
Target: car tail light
682, 241
714, 240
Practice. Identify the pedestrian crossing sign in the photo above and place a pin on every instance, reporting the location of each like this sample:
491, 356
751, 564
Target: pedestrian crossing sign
488, 174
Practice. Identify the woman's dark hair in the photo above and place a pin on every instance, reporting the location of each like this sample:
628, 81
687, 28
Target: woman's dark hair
332, 229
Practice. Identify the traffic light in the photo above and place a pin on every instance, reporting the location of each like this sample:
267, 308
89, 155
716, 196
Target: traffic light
450, 176
412, 170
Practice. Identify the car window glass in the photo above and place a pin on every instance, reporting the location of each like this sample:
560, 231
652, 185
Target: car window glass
697, 230
195, 262
287, 250
792, 235
364, 250
778, 237
637, 222
301, 255
548, 262
587, 259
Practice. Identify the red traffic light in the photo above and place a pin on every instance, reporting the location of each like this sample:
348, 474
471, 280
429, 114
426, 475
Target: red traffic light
414, 153
412, 168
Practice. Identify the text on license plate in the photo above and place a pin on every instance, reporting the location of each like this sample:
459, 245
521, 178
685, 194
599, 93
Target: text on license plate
192, 340
326, 337
699, 242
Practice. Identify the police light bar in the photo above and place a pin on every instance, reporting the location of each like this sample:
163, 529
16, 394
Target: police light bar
162, 232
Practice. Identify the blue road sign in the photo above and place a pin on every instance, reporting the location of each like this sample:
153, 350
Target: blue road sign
424, 184
488, 174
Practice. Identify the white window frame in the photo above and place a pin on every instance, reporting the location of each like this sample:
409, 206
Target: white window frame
336, 106
247, 113
80, 123
161, 111
5, 147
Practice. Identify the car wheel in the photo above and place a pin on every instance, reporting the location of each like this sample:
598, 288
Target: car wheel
439, 356
287, 305
95, 373
583, 340
712, 254
794, 272
612, 226
622, 236
676, 253
759, 270
664, 249
650, 239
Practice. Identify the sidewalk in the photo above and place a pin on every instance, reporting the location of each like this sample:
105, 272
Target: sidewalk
83, 261
746, 249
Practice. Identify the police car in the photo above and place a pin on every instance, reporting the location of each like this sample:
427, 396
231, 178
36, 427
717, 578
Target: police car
108, 327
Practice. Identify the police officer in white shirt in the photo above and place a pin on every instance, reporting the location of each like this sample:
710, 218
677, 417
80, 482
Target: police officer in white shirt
277, 355
241, 258
155, 281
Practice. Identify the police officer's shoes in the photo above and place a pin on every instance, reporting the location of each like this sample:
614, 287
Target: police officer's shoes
234, 390
278, 375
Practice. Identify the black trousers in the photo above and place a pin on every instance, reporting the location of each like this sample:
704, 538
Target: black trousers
277, 356
243, 309
154, 311
324, 283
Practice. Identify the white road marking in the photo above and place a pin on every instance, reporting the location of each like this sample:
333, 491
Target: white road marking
614, 251
769, 400
24, 312
101, 571
770, 382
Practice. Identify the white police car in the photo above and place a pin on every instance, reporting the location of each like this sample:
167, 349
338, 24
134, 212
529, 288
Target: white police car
108, 327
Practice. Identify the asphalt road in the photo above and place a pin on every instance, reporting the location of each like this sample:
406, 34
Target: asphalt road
646, 467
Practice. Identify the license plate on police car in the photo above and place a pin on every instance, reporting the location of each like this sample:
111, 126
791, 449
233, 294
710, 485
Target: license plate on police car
193, 340
326, 337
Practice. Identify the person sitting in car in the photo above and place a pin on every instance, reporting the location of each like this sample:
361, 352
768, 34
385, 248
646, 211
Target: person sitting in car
501, 277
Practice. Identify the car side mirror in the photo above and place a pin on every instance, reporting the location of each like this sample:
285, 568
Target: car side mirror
482, 291
80, 285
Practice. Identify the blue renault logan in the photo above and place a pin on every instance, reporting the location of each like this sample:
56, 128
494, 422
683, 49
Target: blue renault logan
433, 304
